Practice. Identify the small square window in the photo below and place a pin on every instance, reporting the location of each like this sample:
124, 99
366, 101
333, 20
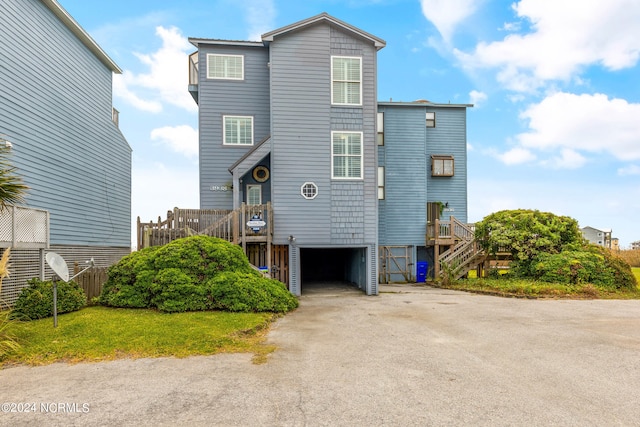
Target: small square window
442, 166
431, 120
309, 190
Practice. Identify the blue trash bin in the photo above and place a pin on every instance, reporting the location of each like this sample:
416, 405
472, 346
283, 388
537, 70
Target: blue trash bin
421, 271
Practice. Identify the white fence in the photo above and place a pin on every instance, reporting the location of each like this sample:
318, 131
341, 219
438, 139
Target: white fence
26, 232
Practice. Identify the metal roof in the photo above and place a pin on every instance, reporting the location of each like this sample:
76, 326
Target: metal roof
378, 42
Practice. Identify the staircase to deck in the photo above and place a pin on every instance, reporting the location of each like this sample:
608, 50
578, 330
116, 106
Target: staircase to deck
464, 252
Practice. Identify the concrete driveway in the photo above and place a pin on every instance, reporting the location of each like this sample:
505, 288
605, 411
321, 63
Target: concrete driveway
410, 356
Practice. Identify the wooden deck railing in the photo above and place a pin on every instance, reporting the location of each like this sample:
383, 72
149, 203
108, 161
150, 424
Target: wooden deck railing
231, 225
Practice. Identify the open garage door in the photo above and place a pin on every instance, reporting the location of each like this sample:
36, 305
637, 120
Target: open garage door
333, 266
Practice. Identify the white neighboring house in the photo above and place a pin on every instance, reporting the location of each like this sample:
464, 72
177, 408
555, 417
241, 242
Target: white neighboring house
601, 237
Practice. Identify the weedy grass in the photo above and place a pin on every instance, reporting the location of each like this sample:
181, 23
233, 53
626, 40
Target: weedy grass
535, 289
101, 333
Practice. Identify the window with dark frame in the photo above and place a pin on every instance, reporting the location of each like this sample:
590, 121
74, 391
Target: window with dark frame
431, 120
380, 124
442, 165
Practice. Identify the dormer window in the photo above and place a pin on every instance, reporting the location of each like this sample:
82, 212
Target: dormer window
346, 80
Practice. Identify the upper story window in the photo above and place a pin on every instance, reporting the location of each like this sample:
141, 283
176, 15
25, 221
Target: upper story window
229, 67
431, 120
441, 165
380, 124
238, 130
380, 182
346, 80
346, 155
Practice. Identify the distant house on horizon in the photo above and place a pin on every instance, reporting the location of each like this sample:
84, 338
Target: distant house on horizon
56, 111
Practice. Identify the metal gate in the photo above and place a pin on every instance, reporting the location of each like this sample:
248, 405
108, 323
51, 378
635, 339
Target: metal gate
396, 264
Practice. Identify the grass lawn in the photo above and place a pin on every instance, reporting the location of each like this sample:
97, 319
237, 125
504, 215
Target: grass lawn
100, 333
636, 272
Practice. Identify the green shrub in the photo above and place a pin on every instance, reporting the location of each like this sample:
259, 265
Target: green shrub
174, 291
129, 281
250, 292
36, 300
592, 264
175, 278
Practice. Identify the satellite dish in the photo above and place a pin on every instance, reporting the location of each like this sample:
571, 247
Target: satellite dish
58, 265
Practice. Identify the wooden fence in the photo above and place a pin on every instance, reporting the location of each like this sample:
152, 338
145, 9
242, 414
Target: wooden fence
91, 281
257, 255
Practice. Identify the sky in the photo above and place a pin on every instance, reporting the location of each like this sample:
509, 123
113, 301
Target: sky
555, 86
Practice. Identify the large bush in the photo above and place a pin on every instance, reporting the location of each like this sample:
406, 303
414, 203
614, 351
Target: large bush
182, 276
233, 291
36, 300
527, 233
591, 264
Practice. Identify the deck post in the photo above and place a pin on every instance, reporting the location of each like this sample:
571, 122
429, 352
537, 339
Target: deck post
436, 250
243, 221
269, 236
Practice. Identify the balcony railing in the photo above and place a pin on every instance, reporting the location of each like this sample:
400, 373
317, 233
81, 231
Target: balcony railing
193, 68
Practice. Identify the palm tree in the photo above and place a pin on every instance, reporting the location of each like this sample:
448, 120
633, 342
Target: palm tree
12, 189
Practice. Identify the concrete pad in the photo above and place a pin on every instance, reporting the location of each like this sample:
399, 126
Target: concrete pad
413, 355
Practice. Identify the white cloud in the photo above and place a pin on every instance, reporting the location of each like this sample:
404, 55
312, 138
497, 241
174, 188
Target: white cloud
588, 123
181, 139
157, 188
166, 79
516, 156
565, 38
568, 159
121, 89
260, 16
477, 98
447, 14
629, 170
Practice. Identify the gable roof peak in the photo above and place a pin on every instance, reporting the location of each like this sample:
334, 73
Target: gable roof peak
323, 17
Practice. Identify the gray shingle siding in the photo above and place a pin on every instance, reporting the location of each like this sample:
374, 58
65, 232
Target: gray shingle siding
217, 98
56, 109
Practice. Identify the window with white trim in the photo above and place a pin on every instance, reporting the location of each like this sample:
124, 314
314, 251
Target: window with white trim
380, 125
238, 130
346, 80
380, 182
254, 194
309, 190
441, 165
346, 155
227, 67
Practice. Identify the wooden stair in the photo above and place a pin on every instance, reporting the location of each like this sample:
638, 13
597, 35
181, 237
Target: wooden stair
465, 254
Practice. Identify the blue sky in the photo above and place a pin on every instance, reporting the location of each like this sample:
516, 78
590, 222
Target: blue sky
555, 83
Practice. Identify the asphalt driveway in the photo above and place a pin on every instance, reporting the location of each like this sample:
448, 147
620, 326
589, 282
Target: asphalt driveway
410, 356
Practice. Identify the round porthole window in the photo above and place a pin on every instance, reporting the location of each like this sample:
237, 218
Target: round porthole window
309, 190
260, 173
